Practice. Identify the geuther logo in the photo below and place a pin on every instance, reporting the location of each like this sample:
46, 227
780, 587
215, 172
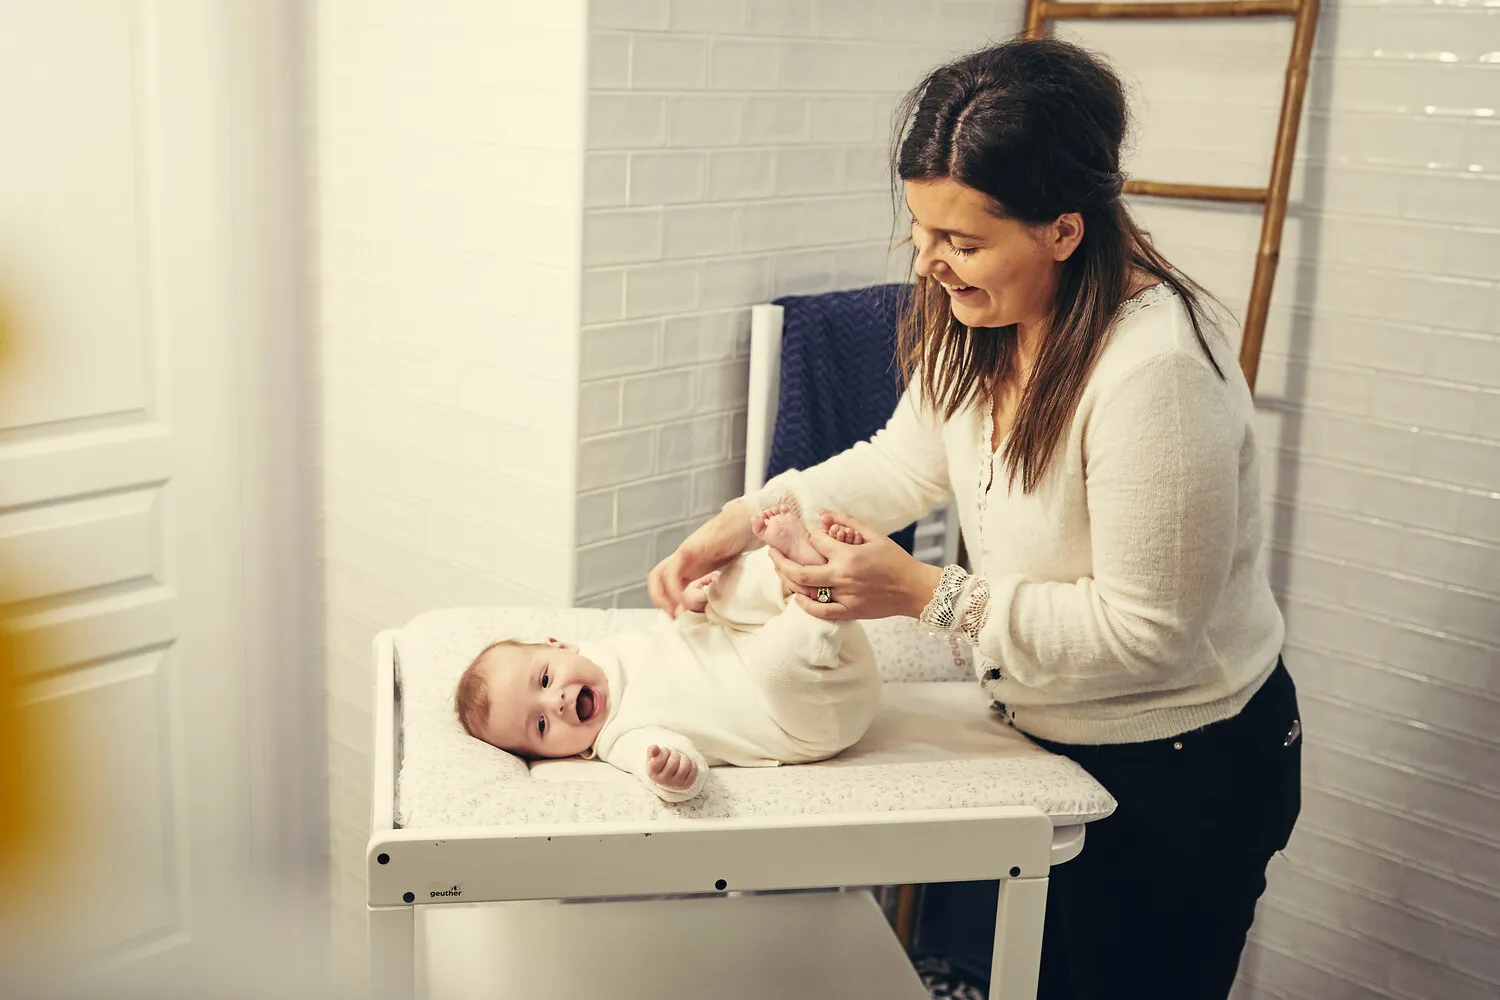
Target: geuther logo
455, 891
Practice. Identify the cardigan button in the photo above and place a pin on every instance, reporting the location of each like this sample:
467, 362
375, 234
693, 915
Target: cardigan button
1177, 745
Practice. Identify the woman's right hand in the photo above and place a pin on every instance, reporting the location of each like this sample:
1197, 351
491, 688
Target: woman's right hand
715, 543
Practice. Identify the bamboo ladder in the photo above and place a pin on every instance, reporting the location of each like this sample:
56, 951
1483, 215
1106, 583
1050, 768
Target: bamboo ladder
1273, 196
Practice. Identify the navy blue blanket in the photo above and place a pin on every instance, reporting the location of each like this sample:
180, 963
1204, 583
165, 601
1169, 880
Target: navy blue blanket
839, 378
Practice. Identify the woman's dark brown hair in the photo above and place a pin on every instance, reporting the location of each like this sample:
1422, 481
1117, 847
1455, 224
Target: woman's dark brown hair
1035, 125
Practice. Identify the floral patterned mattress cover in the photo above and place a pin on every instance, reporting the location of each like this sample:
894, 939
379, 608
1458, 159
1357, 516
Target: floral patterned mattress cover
935, 745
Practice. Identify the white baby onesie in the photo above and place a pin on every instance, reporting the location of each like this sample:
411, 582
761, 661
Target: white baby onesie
754, 681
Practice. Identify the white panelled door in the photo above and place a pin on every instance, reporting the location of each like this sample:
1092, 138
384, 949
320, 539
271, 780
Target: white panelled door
119, 517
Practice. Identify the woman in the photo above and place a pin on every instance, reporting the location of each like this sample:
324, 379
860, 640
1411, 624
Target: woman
1066, 385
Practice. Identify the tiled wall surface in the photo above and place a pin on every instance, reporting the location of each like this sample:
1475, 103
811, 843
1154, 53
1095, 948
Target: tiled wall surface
736, 152
448, 143
1379, 401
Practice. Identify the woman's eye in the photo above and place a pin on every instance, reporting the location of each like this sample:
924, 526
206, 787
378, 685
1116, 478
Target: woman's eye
963, 251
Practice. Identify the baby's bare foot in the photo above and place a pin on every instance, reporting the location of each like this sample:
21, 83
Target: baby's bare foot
695, 594
759, 518
844, 533
784, 531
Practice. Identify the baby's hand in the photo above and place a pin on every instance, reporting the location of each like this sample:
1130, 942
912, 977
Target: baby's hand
671, 768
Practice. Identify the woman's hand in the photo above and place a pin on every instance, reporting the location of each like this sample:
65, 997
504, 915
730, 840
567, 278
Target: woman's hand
715, 543
876, 579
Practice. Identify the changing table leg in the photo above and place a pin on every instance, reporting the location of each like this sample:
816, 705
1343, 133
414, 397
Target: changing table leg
1018, 939
391, 941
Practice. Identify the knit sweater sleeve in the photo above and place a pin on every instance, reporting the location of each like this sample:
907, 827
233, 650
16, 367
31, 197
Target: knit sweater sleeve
629, 753
889, 481
1161, 474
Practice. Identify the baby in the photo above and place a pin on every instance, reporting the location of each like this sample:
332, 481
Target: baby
743, 676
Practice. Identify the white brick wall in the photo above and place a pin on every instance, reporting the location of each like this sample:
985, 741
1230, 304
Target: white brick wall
449, 167
1379, 404
736, 153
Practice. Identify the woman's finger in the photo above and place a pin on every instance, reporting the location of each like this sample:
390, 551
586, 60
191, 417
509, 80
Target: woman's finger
656, 587
673, 582
802, 576
798, 589
831, 612
826, 543
784, 566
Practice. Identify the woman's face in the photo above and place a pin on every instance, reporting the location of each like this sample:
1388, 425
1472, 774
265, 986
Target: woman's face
996, 271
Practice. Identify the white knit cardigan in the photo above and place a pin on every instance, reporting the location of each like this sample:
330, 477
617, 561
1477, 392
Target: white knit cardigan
1125, 599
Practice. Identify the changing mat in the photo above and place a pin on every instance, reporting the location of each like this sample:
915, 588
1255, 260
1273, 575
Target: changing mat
935, 744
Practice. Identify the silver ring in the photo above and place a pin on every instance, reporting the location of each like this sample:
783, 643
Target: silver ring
825, 596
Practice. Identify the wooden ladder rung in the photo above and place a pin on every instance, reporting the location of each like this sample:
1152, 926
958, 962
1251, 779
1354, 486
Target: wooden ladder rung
1053, 11
1197, 192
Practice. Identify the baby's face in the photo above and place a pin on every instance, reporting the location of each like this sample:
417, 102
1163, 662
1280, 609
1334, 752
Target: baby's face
545, 701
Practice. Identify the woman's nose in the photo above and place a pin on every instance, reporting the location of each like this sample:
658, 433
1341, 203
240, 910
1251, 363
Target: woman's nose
926, 259
928, 262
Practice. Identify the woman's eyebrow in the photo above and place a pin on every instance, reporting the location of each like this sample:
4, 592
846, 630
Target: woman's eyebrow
947, 232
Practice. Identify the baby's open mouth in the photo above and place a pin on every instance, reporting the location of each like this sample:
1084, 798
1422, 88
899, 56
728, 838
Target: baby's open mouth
584, 706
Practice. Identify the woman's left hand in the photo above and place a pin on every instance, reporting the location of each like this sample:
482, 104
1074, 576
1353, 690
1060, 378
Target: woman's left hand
875, 579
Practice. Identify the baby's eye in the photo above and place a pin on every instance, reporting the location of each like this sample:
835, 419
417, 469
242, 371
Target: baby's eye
546, 678
541, 726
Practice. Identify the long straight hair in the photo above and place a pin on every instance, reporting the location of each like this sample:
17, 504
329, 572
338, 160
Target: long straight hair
1036, 126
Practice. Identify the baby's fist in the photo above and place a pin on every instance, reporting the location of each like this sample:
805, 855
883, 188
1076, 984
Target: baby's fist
671, 768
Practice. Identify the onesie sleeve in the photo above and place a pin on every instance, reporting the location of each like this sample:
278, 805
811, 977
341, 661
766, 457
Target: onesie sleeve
628, 753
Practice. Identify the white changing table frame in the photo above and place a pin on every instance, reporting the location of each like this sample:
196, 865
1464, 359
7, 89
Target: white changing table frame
410, 872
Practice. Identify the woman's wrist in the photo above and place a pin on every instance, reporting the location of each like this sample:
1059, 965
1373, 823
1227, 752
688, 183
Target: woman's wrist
720, 538
924, 581
738, 513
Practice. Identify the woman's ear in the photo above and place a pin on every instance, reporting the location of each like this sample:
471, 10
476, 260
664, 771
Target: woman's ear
1066, 233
